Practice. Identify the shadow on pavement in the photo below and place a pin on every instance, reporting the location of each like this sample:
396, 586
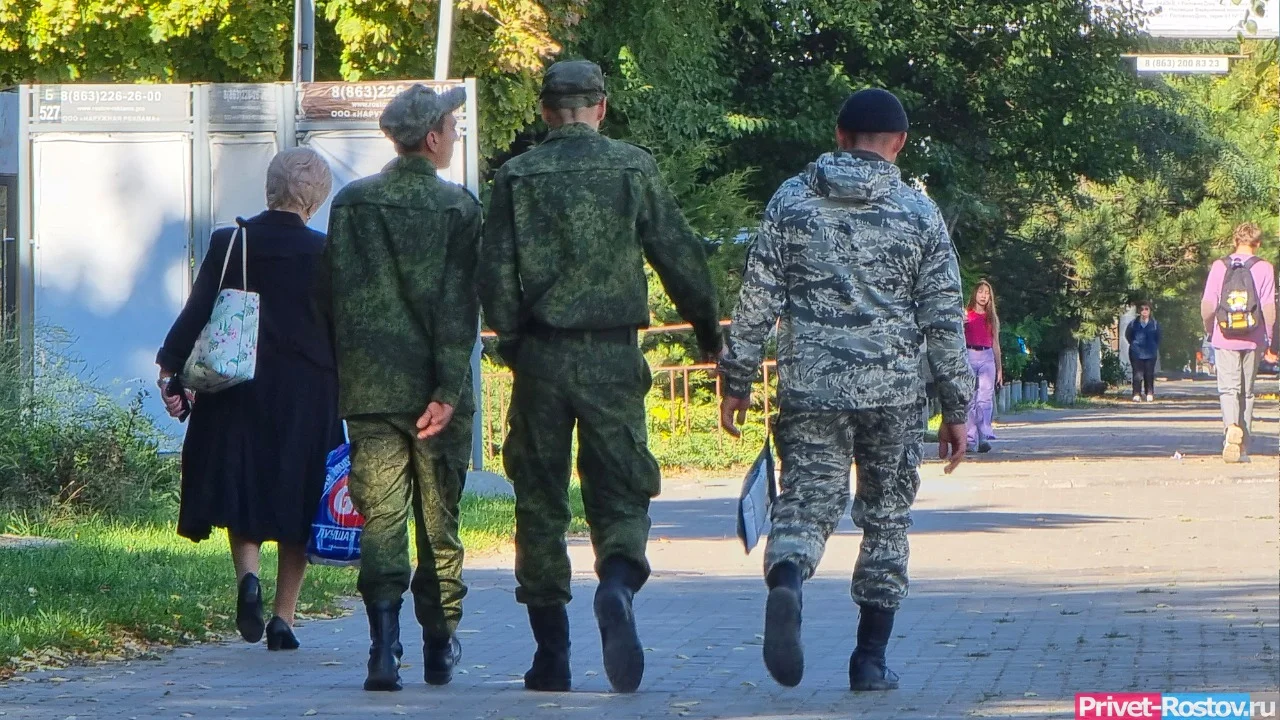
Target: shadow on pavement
714, 519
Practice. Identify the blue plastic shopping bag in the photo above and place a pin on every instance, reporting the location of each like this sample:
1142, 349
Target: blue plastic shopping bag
335, 532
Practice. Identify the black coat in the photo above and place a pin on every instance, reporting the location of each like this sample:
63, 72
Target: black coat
253, 460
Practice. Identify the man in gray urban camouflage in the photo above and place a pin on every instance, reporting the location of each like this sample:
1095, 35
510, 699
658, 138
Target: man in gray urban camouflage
859, 269
570, 225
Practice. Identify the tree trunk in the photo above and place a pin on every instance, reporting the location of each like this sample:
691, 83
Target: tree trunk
1091, 361
1068, 376
1091, 368
1128, 317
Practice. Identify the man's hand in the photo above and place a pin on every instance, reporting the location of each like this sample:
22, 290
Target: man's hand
714, 358
1272, 357
434, 420
953, 440
731, 409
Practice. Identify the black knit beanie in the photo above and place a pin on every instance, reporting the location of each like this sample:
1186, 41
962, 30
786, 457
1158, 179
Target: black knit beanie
872, 111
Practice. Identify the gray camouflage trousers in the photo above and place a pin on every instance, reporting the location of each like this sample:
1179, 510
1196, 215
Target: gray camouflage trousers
817, 449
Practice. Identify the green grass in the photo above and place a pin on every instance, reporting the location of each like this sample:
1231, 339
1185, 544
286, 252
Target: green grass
114, 582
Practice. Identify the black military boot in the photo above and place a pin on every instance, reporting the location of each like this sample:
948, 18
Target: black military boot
867, 669
550, 670
623, 654
439, 657
385, 650
783, 648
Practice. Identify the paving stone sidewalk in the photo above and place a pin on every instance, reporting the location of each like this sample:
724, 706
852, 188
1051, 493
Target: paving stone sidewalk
1079, 556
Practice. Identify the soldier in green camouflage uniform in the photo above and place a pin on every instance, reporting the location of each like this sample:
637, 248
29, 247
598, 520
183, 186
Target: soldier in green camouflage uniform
859, 269
400, 289
569, 227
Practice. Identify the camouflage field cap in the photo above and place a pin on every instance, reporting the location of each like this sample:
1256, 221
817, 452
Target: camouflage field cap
410, 115
573, 84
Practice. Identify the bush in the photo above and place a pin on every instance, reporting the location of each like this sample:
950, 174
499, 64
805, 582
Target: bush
69, 444
1112, 370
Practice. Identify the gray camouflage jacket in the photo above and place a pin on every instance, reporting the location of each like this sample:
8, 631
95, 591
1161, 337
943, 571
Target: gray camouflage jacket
859, 269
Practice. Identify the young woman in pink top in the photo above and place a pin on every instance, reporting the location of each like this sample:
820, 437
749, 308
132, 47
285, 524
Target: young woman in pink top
982, 335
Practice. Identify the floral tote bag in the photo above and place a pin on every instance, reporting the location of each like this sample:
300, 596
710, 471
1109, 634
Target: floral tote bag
226, 353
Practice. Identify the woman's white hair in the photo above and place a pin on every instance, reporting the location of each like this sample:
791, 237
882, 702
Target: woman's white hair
298, 179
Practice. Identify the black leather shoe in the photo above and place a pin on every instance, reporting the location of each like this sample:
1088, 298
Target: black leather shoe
249, 609
868, 671
385, 650
280, 636
439, 658
623, 654
783, 649
550, 669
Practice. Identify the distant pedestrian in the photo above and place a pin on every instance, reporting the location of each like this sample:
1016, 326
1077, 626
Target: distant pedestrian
1143, 336
854, 267
982, 337
1239, 311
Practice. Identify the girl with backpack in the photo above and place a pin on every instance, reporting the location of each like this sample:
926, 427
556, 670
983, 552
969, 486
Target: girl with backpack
1239, 311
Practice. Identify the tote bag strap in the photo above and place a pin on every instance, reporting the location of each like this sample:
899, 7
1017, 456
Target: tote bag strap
243, 232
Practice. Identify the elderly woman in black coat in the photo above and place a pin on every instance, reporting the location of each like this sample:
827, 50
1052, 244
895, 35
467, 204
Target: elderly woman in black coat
253, 460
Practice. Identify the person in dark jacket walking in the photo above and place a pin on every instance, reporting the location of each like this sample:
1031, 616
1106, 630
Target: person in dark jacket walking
253, 460
1143, 335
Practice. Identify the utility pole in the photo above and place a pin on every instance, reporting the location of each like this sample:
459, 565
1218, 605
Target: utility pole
304, 40
444, 44
444, 40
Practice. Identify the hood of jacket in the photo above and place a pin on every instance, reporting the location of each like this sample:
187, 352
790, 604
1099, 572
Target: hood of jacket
852, 176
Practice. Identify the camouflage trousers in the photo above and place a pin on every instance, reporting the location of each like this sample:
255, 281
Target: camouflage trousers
816, 450
392, 474
599, 387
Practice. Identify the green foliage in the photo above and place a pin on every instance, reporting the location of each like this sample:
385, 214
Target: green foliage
145, 41
1112, 370
72, 445
502, 43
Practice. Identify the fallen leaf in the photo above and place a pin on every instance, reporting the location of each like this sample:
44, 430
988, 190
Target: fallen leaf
1030, 694
687, 704
592, 673
331, 663
548, 705
309, 713
203, 687
682, 657
748, 683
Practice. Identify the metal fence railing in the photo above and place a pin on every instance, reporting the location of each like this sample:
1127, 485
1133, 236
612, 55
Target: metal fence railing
684, 399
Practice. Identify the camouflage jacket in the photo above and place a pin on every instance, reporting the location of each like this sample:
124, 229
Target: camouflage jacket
569, 226
859, 269
398, 285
